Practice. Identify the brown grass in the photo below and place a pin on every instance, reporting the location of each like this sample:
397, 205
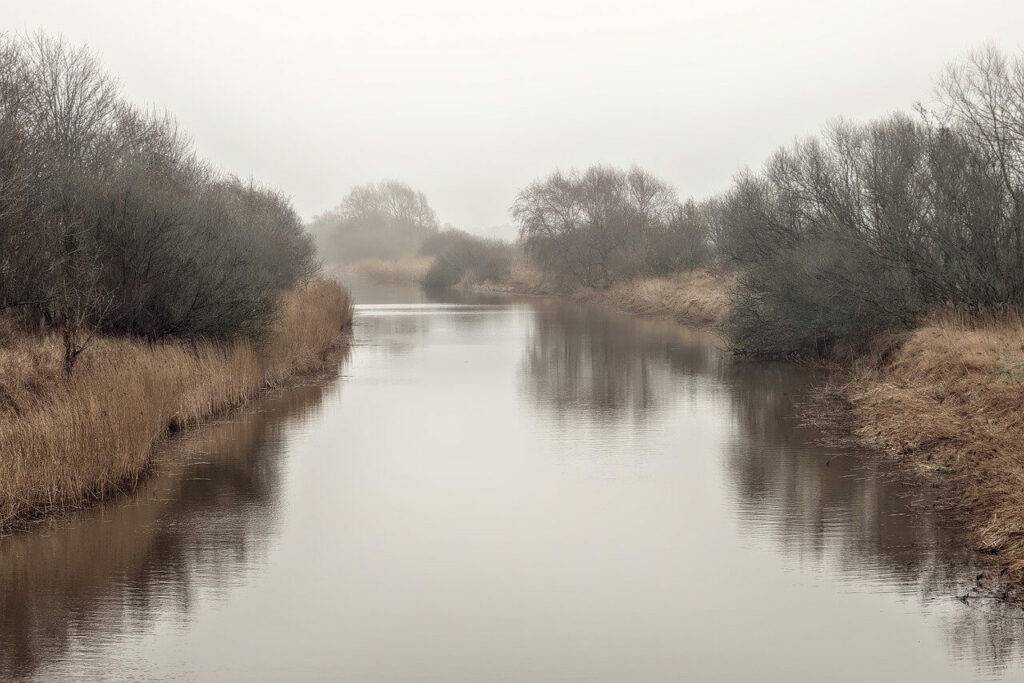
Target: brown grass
949, 403
69, 440
523, 278
698, 297
401, 270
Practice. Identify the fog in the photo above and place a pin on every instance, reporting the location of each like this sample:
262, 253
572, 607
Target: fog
469, 103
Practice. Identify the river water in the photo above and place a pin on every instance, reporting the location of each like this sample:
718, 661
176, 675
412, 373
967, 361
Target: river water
507, 491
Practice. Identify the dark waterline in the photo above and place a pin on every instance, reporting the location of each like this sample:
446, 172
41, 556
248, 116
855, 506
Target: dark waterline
507, 491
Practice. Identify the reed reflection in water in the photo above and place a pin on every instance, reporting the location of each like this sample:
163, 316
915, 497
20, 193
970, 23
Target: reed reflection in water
514, 491
190, 533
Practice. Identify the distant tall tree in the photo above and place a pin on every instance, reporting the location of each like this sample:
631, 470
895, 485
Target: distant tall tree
378, 220
598, 226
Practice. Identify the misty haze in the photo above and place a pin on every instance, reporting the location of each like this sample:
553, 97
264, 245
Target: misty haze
571, 341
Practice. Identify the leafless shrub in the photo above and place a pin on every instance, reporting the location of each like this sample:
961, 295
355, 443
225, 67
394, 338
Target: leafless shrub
604, 225
459, 256
108, 222
871, 227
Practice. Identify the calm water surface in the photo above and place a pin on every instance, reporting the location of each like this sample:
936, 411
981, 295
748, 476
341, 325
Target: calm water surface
524, 491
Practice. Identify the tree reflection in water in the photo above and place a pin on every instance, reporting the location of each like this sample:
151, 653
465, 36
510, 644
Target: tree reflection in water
579, 358
212, 510
817, 504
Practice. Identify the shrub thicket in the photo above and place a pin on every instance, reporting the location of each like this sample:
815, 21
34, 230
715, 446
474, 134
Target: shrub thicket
605, 225
109, 222
871, 227
459, 256
864, 229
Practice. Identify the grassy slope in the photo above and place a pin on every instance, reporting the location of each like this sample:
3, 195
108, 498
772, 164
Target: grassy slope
65, 441
949, 403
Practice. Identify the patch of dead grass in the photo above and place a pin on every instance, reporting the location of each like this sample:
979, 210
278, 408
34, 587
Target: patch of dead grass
949, 402
67, 440
697, 297
402, 270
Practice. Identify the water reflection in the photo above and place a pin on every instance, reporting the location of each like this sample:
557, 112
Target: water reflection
207, 516
522, 491
848, 510
830, 507
580, 358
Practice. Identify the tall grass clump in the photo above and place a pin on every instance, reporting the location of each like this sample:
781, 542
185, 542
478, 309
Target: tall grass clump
66, 440
698, 297
947, 401
406, 269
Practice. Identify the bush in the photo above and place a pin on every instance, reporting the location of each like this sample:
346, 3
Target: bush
108, 221
867, 229
459, 256
606, 225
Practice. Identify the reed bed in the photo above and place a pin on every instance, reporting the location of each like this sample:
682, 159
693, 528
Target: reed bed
65, 441
697, 297
406, 269
948, 401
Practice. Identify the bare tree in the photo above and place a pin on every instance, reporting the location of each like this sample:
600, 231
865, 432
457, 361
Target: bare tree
378, 220
109, 223
598, 226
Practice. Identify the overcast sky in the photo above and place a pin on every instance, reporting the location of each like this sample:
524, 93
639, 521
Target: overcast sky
469, 102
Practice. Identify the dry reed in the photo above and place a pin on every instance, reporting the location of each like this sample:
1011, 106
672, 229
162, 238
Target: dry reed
401, 270
698, 297
67, 440
949, 402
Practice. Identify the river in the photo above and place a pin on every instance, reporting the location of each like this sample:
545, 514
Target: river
508, 491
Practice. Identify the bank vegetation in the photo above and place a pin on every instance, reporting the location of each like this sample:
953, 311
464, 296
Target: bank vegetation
140, 289
895, 246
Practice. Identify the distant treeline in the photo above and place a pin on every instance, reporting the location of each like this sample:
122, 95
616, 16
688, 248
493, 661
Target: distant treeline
389, 221
606, 225
866, 228
109, 222
459, 256
385, 220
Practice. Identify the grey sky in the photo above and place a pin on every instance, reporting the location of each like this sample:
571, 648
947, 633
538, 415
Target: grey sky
469, 101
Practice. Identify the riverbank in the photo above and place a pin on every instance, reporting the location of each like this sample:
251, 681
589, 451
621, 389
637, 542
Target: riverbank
410, 269
698, 297
947, 403
67, 441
